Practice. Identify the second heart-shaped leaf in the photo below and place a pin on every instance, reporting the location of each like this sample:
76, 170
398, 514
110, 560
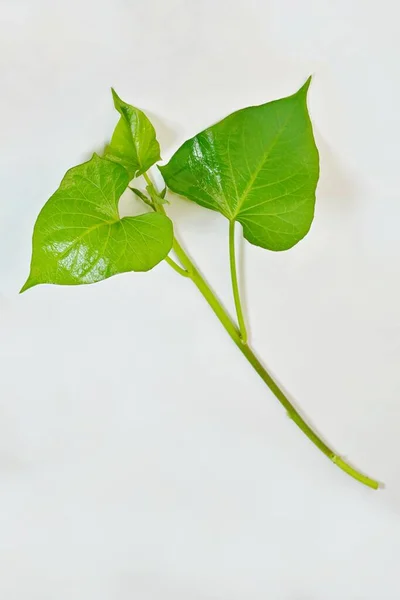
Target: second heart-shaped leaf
79, 237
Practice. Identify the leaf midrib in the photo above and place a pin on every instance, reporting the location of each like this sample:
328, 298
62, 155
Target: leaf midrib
89, 230
102, 224
125, 114
264, 159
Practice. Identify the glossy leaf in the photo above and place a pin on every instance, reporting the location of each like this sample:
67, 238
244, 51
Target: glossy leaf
134, 143
258, 166
79, 237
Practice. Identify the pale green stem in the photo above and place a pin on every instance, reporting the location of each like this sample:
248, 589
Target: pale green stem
148, 180
235, 285
167, 259
245, 349
176, 267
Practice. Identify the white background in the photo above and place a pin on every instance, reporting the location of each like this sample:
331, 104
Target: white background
140, 456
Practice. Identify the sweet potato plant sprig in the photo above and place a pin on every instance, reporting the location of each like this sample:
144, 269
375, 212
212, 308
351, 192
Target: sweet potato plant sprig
258, 167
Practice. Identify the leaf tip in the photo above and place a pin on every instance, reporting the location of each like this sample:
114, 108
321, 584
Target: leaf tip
305, 86
116, 99
29, 283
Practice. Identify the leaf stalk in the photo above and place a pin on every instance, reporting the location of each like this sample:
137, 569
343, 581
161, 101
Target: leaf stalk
235, 285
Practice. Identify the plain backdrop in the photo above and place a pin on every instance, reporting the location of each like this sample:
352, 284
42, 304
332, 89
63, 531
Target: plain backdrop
140, 455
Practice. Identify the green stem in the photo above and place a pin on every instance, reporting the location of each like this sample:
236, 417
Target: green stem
207, 292
148, 180
169, 260
176, 267
235, 285
245, 349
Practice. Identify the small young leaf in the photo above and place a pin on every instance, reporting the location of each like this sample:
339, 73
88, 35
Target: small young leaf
258, 166
158, 199
134, 143
79, 237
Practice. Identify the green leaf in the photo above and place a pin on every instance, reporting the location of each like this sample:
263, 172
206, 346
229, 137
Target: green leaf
258, 166
133, 144
79, 237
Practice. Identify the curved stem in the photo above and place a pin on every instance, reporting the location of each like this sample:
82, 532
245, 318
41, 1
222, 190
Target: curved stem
169, 260
176, 267
245, 349
235, 285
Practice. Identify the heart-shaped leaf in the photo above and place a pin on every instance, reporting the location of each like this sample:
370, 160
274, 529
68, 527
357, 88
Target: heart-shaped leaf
134, 143
79, 237
258, 166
